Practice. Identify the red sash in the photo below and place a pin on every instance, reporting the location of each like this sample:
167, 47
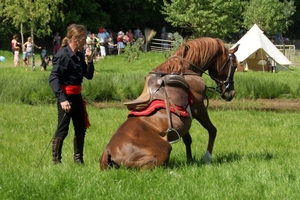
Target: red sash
71, 89
76, 89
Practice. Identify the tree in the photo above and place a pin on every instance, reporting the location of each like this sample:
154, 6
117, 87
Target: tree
215, 18
294, 30
35, 15
272, 16
132, 13
87, 12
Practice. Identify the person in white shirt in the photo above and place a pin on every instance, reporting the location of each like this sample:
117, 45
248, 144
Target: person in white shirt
103, 41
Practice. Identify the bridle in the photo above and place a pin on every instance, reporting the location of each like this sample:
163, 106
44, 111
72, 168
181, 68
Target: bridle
229, 79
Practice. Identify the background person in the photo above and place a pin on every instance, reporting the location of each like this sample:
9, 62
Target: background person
120, 43
103, 41
16, 56
142, 41
56, 43
14, 43
164, 36
70, 65
15, 48
111, 45
28, 46
45, 58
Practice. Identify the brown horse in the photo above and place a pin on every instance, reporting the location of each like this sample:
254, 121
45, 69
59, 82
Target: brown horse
144, 140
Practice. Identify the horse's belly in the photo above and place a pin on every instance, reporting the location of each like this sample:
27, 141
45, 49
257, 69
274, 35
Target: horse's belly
160, 123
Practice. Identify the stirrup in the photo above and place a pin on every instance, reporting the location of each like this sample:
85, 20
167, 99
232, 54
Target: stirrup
173, 141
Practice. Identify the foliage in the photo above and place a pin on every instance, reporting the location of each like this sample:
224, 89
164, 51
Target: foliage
32, 14
294, 30
133, 14
215, 18
89, 13
133, 50
6, 31
272, 16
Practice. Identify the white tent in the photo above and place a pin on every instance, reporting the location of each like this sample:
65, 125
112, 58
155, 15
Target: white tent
255, 49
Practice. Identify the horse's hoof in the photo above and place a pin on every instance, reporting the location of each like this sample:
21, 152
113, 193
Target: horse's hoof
207, 158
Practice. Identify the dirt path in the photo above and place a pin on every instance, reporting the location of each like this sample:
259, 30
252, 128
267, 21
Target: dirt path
259, 104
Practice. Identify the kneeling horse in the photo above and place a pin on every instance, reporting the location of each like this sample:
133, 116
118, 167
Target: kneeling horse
173, 95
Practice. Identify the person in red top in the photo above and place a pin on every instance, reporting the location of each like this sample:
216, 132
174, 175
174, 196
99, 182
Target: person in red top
70, 65
120, 42
130, 36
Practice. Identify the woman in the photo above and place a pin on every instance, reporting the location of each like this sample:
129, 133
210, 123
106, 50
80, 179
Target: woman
28, 46
120, 42
70, 65
15, 49
14, 43
56, 43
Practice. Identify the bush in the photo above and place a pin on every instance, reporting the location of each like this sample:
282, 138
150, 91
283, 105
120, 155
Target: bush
133, 50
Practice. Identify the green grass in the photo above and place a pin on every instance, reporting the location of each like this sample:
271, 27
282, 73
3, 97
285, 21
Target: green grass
256, 156
118, 80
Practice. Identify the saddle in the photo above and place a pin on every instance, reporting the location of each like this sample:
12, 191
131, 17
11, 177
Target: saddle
171, 87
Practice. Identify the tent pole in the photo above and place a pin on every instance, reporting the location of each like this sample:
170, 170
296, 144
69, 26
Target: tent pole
263, 66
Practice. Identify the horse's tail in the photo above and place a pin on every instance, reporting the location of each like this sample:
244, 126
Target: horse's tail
104, 160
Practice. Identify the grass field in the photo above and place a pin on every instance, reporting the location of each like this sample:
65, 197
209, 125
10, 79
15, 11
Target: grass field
256, 154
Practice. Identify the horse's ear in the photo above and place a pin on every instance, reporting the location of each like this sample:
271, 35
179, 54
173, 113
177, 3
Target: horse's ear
232, 51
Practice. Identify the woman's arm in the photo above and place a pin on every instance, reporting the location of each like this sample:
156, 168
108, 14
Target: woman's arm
36, 46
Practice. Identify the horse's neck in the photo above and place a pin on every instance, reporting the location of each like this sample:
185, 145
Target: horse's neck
170, 67
180, 65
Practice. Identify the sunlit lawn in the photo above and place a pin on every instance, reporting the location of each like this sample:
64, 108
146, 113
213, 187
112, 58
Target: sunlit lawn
256, 156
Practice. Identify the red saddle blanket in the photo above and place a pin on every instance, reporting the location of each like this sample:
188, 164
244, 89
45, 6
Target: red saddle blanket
156, 105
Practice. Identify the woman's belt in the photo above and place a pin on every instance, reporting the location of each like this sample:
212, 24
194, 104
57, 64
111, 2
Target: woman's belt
76, 89
71, 89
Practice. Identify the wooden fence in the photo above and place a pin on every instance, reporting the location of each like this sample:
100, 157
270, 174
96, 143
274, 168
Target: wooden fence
160, 45
288, 50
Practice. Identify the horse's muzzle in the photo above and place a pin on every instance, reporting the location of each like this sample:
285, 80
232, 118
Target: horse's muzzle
228, 95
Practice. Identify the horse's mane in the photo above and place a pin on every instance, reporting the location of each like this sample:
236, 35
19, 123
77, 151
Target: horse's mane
202, 52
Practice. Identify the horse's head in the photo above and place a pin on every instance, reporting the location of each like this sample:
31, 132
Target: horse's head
224, 75
204, 54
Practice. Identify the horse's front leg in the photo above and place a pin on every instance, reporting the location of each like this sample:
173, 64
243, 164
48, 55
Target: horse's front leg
187, 140
202, 117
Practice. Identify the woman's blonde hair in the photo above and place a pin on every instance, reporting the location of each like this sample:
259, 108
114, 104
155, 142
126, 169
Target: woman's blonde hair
73, 30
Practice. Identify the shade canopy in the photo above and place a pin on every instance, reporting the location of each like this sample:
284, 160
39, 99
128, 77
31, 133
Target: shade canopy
255, 46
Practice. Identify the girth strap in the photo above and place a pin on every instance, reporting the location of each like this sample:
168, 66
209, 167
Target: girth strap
170, 130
